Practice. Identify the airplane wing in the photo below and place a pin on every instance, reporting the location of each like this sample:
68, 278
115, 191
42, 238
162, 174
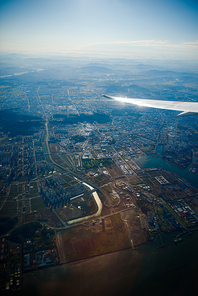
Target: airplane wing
186, 108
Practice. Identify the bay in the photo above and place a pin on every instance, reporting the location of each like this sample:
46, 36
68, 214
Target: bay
153, 161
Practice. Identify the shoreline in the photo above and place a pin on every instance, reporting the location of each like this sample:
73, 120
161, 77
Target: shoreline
131, 270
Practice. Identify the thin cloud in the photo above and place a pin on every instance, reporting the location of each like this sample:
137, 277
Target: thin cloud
143, 43
191, 43
139, 43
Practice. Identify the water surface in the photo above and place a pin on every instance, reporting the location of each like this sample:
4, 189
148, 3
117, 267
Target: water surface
152, 161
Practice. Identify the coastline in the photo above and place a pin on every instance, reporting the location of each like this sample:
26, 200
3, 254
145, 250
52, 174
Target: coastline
123, 271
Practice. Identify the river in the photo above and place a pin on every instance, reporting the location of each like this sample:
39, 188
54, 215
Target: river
154, 161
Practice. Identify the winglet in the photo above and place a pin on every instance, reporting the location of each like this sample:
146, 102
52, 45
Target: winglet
187, 113
108, 97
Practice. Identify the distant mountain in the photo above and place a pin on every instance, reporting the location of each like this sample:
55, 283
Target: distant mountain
94, 68
118, 88
137, 88
162, 73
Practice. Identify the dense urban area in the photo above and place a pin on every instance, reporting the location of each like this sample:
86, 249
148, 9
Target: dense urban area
75, 181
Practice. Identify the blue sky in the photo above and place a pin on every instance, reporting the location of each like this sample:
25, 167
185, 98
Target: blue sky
116, 28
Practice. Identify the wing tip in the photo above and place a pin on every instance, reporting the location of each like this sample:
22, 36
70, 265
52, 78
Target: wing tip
105, 96
187, 113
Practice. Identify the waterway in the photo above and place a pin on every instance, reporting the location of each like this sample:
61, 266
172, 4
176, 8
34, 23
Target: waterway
154, 161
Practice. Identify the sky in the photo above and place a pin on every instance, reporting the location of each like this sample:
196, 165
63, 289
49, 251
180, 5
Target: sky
106, 28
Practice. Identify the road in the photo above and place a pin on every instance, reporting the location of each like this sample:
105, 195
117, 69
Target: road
95, 194
129, 234
61, 220
7, 194
60, 248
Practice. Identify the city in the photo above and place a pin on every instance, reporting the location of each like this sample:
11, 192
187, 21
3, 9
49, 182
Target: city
73, 181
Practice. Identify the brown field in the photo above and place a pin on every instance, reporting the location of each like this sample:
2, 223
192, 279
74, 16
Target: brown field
118, 170
101, 180
89, 240
87, 207
114, 171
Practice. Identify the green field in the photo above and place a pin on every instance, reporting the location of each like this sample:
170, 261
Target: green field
94, 163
